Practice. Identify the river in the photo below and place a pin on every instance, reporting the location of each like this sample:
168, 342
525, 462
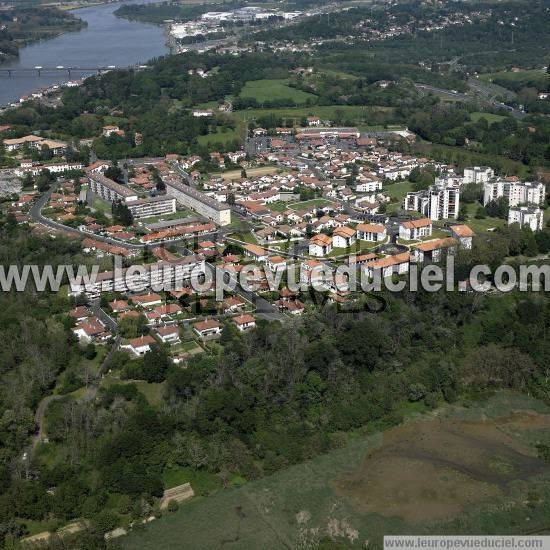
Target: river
107, 40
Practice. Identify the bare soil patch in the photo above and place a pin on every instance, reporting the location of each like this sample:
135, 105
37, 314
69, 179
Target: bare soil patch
434, 469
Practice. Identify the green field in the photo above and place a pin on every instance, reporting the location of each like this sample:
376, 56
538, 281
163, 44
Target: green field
269, 90
359, 114
481, 226
306, 504
398, 190
222, 136
309, 204
489, 117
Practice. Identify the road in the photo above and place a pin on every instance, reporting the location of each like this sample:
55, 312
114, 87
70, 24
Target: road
264, 309
36, 214
486, 93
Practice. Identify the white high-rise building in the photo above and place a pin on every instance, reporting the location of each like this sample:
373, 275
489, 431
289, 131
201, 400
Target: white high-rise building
530, 216
437, 203
516, 192
478, 174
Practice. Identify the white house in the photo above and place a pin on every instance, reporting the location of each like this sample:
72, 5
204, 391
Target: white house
478, 174
276, 263
140, 346
168, 335
530, 216
371, 232
320, 245
90, 330
398, 263
415, 229
464, 235
208, 328
343, 237
433, 250
244, 322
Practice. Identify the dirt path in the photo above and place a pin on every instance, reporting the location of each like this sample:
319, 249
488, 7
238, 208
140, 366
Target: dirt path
40, 414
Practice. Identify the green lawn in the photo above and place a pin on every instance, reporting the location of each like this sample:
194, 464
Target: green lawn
222, 136
359, 114
166, 217
151, 391
278, 206
481, 226
398, 190
202, 482
309, 204
100, 205
269, 90
489, 117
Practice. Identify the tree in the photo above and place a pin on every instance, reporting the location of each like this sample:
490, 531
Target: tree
155, 364
462, 213
121, 213
90, 351
498, 208
115, 173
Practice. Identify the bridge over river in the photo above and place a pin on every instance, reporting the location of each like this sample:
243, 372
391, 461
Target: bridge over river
38, 70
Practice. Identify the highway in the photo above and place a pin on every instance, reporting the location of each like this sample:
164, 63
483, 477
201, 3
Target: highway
487, 94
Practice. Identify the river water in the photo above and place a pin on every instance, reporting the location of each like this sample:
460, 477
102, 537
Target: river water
107, 40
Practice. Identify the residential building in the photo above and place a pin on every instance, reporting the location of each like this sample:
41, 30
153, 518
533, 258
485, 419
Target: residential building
147, 300
343, 237
529, 216
207, 329
478, 174
110, 190
152, 206
244, 322
437, 203
371, 232
320, 245
368, 185
276, 263
390, 265
515, 192
90, 330
167, 275
413, 230
233, 304
434, 250
168, 335
139, 346
208, 207
255, 252
464, 235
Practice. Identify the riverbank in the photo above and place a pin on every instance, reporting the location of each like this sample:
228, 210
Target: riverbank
28, 27
104, 40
